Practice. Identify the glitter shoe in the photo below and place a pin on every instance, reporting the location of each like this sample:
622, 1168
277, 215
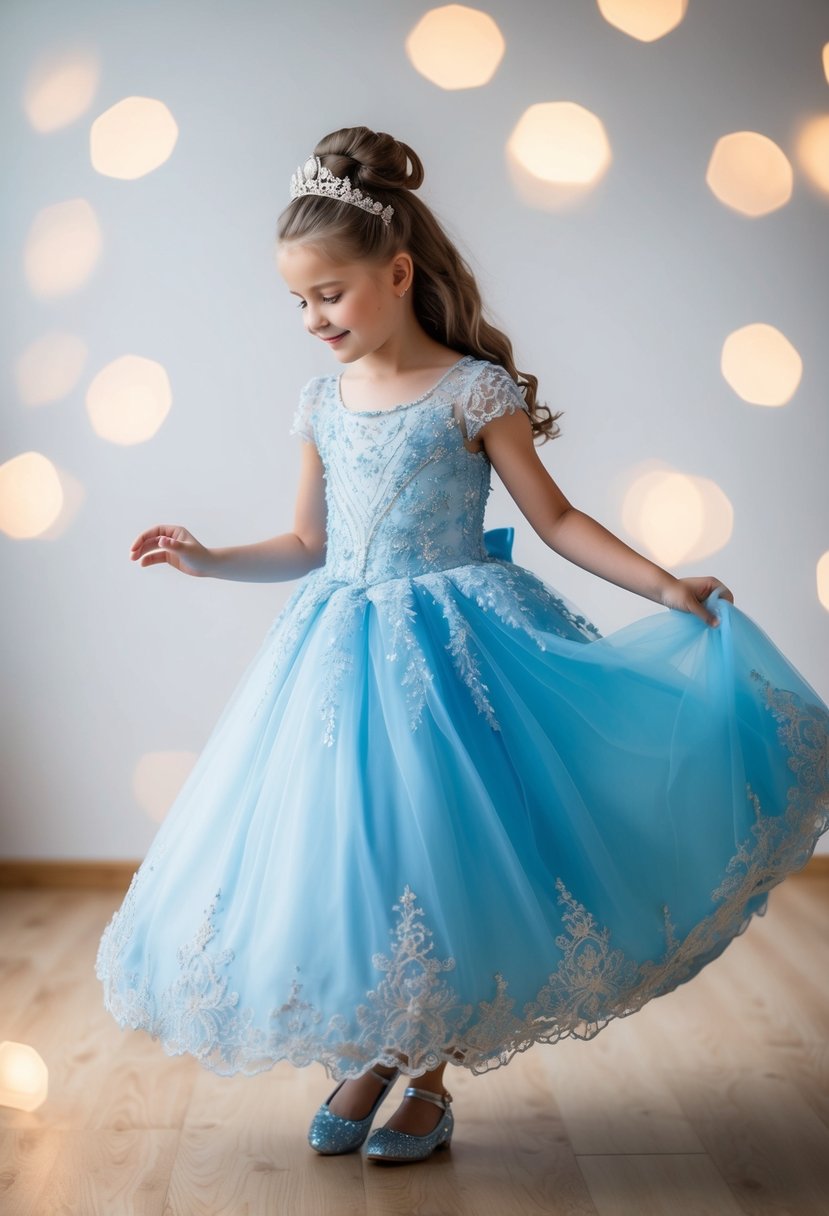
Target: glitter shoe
330, 1133
388, 1144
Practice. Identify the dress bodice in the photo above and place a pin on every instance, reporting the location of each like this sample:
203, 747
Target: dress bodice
404, 495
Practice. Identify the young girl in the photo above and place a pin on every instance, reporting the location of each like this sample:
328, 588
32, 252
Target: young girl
442, 818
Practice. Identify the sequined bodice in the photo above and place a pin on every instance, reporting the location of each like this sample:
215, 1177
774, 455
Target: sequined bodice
404, 494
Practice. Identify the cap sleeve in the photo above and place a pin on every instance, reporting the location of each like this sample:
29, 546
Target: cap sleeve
492, 393
303, 419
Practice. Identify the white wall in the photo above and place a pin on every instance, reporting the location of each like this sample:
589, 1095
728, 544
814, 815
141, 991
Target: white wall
620, 306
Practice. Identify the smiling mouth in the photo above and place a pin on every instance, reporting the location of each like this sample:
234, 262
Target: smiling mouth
336, 337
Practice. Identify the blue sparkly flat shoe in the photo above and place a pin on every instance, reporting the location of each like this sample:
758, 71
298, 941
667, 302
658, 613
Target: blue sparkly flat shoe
388, 1144
330, 1133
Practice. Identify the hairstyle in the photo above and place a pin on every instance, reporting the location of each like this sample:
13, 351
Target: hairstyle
446, 299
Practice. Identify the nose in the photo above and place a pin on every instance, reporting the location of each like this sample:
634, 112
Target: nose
314, 321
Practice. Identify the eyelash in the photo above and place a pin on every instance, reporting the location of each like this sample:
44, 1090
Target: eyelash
325, 300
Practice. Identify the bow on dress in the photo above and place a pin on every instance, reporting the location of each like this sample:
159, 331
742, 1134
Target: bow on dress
498, 542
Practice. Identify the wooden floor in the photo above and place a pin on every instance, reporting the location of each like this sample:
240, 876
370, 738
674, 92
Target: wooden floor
713, 1099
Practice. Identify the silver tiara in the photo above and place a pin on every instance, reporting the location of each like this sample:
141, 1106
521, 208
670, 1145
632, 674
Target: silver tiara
314, 178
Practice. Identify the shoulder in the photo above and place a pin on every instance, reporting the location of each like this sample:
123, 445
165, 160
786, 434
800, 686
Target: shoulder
313, 389
492, 392
310, 395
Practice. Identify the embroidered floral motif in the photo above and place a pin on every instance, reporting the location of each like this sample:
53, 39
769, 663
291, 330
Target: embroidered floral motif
511, 592
290, 625
341, 620
465, 660
394, 600
411, 1005
415, 1011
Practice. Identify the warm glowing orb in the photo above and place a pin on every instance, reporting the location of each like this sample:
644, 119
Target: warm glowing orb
761, 365
60, 87
822, 575
129, 399
31, 495
560, 142
676, 516
749, 173
24, 1077
646, 20
158, 778
132, 138
456, 47
813, 150
62, 247
50, 367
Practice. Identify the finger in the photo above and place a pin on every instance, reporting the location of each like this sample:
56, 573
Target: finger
152, 533
699, 610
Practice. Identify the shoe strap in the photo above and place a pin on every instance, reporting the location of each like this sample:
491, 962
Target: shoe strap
441, 1100
385, 1080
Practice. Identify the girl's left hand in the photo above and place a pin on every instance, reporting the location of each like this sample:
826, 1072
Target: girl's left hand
687, 595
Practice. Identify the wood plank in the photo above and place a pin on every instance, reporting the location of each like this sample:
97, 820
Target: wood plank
765, 1140
684, 1185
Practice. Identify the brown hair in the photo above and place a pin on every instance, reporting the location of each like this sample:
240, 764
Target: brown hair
446, 299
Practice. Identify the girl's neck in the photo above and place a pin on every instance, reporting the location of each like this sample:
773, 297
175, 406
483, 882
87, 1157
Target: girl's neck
392, 386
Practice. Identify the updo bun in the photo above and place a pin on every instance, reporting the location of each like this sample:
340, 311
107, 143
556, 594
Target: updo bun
371, 160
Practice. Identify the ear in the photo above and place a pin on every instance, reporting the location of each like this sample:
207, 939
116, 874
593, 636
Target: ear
402, 271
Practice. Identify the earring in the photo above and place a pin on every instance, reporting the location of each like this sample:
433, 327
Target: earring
401, 294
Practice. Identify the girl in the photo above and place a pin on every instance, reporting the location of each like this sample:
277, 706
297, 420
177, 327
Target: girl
442, 818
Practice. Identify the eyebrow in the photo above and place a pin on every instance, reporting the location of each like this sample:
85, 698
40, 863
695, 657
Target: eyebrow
329, 283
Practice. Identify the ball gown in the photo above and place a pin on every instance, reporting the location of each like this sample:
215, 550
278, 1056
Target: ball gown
441, 816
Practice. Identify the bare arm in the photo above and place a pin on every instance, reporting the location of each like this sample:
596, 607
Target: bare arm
578, 537
290, 554
287, 556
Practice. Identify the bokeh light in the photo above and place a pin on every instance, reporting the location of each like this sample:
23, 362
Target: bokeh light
556, 152
822, 577
31, 495
50, 367
646, 20
60, 88
158, 778
456, 47
62, 248
761, 365
677, 517
132, 138
749, 173
129, 399
812, 147
24, 1077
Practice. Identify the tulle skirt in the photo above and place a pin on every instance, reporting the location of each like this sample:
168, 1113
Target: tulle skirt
444, 818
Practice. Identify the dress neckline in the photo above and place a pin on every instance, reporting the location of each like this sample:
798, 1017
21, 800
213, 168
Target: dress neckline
403, 404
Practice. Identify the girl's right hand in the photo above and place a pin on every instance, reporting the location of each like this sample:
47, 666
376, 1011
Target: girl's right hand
172, 544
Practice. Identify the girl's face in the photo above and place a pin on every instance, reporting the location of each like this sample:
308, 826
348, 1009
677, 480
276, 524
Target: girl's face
349, 299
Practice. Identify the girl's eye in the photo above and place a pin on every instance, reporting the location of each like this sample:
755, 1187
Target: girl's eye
325, 300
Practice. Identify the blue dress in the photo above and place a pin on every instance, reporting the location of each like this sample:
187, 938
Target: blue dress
441, 814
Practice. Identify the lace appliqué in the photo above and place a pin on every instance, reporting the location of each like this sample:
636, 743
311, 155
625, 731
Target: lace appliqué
341, 621
394, 600
492, 393
511, 596
302, 422
411, 1006
414, 1011
290, 625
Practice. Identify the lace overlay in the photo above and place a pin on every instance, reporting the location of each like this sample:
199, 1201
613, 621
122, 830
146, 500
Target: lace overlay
415, 1009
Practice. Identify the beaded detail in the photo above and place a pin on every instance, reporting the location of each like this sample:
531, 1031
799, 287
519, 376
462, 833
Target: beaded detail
405, 511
